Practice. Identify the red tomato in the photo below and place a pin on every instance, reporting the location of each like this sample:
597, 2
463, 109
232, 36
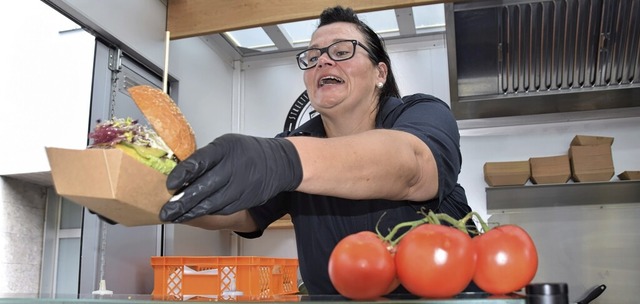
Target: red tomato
507, 259
435, 261
361, 266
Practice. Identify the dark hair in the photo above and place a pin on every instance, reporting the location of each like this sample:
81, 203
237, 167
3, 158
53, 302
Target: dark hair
373, 42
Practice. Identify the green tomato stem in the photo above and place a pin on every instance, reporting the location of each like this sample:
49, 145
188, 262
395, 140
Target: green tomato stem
459, 224
432, 218
390, 237
483, 224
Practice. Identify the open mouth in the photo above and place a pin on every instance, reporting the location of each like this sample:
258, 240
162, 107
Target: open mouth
328, 80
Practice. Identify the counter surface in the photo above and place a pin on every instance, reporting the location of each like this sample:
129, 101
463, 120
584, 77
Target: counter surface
465, 298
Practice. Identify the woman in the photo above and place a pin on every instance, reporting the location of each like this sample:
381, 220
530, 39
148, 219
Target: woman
368, 153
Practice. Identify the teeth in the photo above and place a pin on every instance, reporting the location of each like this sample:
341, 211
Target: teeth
330, 80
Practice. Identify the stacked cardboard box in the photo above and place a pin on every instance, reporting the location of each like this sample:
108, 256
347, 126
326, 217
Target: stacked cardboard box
550, 169
629, 175
510, 173
591, 159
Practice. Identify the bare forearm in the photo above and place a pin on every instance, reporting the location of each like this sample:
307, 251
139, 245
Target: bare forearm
384, 164
240, 221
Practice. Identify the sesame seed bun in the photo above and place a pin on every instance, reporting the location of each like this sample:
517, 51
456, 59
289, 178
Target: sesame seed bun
165, 118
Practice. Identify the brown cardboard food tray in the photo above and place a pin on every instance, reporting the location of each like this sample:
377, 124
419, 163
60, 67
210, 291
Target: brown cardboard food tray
589, 140
510, 173
550, 169
629, 175
591, 158
110, 183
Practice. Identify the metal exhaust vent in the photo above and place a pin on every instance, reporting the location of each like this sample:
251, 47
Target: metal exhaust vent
568, 44
543, 57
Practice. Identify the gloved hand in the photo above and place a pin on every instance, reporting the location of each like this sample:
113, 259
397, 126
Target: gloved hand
232, 173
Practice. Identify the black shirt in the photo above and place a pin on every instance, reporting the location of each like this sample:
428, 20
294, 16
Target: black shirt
321, 221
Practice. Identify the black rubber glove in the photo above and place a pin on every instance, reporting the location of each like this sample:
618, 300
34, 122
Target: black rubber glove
232, 173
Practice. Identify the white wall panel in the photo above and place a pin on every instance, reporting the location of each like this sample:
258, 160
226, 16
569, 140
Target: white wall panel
45, 86
206, 87
421, 67
270, 88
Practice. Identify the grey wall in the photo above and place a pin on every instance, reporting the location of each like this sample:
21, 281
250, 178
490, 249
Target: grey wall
22, 207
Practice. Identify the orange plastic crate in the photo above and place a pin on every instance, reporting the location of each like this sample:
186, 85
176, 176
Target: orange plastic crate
180, 277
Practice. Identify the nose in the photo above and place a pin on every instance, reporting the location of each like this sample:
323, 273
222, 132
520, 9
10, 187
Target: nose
324, 59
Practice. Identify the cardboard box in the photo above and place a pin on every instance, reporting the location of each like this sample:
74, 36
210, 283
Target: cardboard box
510, 173
550, 169
588, 140
591, 159
109, 183
629, 175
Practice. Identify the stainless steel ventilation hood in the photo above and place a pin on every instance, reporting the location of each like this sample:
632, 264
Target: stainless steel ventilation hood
514, 58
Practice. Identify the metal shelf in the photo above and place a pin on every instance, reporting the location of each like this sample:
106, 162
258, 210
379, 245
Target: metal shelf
555, 195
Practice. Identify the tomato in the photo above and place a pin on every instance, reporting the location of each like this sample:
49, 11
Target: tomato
361, 267
435, 261
507, 259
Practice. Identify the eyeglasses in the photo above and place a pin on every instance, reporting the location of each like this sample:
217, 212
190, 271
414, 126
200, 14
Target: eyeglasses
337, 51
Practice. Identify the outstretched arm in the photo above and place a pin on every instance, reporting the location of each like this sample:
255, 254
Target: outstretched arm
384, 164
240, 221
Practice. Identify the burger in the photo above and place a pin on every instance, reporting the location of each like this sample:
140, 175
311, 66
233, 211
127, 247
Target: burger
161, 146
135, 140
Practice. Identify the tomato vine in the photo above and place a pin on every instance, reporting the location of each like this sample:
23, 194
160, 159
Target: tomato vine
433, 260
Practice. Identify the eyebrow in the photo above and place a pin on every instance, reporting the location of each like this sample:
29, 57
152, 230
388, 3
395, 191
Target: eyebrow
315, 46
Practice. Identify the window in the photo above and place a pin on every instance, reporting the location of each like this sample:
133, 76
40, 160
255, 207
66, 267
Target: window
389, 24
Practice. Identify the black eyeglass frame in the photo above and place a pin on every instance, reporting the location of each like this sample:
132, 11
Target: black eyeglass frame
326, 50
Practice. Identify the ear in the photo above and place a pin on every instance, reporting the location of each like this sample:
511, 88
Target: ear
382, 72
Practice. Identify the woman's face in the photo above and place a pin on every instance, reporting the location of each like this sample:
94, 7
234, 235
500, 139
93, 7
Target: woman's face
349, 86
